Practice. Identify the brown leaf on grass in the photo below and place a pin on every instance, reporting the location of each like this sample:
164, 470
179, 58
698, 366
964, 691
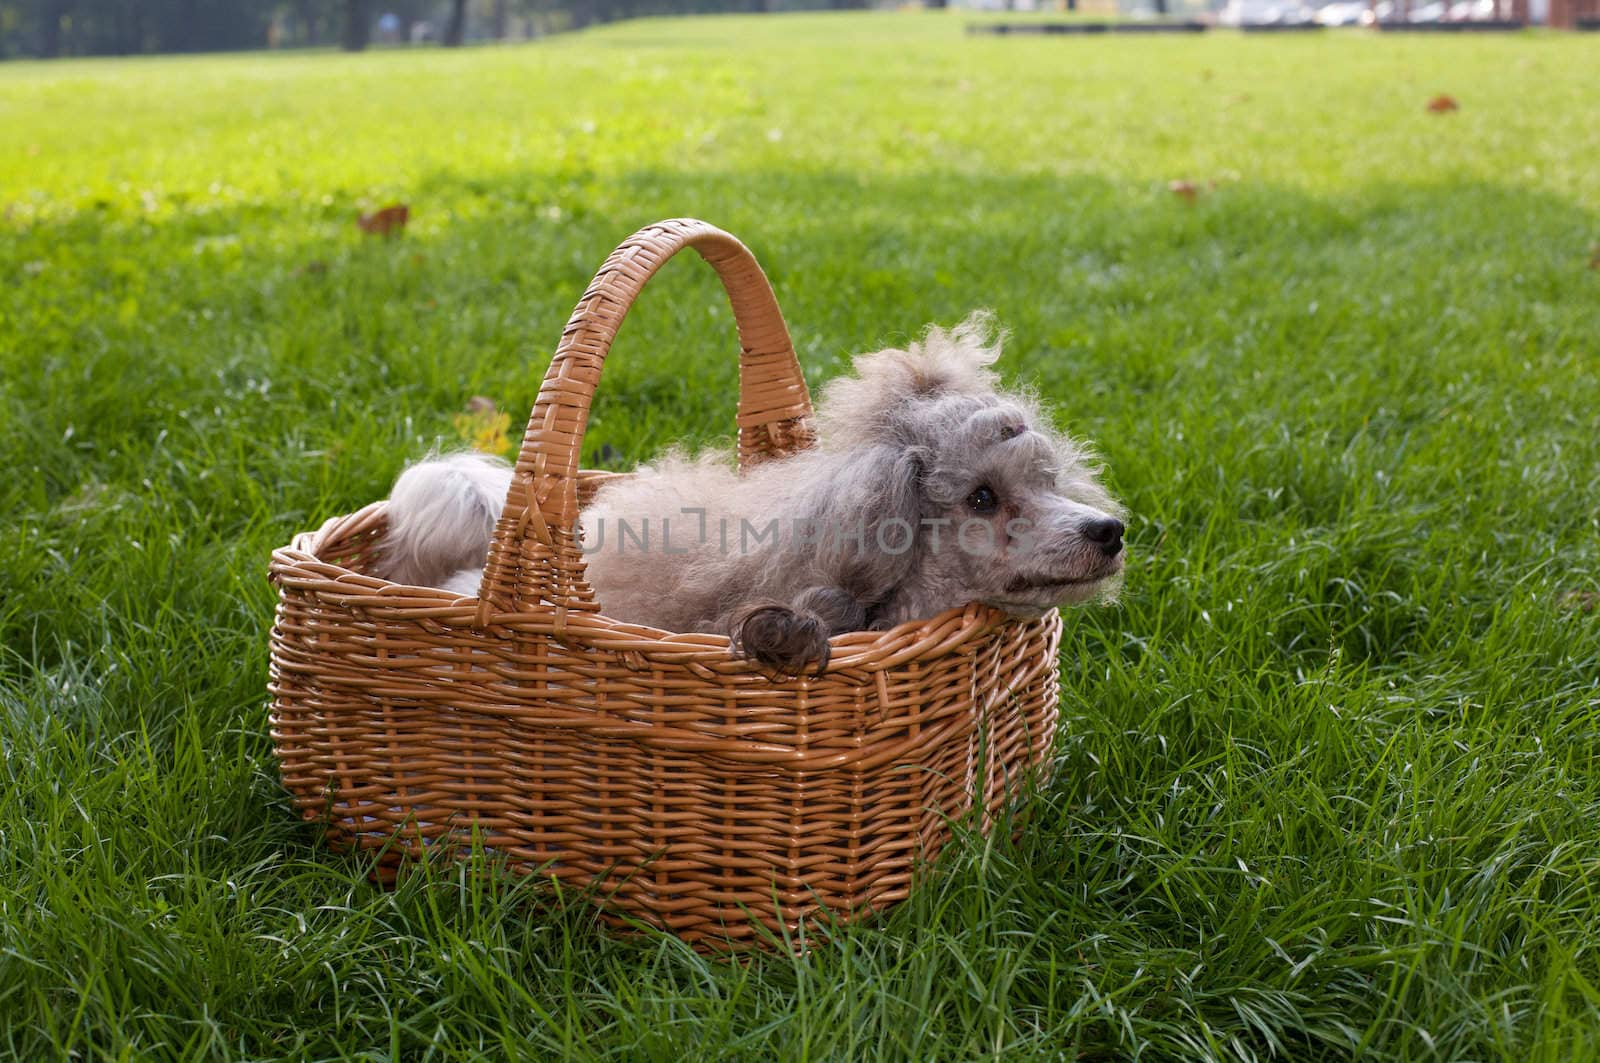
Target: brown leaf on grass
315, 267
1443, 104
1583, 601
1594, 255
1187, 191
388, 221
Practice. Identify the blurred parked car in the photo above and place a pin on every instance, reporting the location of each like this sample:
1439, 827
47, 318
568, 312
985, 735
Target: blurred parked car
1344, 13
1264, 13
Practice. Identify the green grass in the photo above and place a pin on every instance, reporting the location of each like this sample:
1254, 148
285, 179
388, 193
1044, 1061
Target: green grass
1328, 780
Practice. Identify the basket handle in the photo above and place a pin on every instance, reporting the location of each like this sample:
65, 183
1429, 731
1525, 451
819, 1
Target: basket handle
535, 555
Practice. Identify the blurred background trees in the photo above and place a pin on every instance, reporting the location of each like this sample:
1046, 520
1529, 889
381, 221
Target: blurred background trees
49, 28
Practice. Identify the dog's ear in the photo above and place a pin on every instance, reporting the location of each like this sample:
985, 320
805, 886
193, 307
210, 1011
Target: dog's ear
947, 361
870, 519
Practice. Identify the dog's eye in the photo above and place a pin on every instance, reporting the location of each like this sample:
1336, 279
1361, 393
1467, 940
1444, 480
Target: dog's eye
984, 500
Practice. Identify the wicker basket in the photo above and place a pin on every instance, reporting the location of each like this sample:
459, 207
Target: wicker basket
681, 785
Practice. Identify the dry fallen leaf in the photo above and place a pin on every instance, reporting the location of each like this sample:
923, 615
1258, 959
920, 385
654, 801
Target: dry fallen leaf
1442, 104
1594, 255
386, 222
1187, 191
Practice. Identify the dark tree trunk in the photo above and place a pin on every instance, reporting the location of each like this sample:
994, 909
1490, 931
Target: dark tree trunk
127, 25
456, 28
308, 19
502, 17
50, 31
588, 12
356, 26
186, 26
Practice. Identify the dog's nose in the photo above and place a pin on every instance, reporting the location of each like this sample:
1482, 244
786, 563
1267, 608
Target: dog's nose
1106, 533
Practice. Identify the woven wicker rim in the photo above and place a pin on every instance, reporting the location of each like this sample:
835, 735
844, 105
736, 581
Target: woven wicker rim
302, 566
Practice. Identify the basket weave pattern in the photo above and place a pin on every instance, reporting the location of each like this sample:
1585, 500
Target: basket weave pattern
690, 790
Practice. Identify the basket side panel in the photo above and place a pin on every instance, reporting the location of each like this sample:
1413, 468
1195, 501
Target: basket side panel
421, 734
1020, 686
412, 735
699, 845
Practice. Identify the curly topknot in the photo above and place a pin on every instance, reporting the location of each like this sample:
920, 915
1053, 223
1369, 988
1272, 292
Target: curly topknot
953, 361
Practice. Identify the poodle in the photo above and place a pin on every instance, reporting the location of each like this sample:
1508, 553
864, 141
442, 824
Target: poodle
929, 487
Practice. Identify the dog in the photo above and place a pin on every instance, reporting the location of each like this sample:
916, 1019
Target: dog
929, 487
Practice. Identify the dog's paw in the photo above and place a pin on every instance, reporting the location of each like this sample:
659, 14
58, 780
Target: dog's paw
781, 639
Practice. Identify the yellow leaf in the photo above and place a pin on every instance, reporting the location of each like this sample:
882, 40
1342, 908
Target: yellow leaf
485, 430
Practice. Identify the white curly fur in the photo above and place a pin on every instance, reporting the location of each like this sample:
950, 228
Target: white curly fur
442, 513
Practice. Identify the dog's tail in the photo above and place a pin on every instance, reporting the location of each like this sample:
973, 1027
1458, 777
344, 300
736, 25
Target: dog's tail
441, 515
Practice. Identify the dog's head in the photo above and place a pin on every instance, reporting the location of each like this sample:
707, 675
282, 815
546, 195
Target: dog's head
1012, 512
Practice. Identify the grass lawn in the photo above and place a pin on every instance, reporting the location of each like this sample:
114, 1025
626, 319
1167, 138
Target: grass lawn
1328, 780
